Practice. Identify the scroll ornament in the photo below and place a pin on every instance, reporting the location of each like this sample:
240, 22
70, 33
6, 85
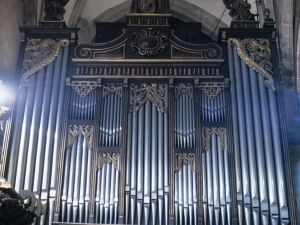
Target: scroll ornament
156, 93
83, 88
185, 159
112, 87
38, 54
256, 53
206, 137
108, 157
212, 89
86, 130
183, 88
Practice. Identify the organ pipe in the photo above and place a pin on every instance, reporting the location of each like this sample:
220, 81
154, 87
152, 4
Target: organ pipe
264, 189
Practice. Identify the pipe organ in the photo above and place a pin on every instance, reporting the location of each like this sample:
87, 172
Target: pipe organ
150, 129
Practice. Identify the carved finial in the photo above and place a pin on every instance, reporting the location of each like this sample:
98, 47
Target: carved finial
269, 22
54, 9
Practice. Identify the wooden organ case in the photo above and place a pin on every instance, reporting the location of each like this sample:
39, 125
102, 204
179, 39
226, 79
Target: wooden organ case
149, 128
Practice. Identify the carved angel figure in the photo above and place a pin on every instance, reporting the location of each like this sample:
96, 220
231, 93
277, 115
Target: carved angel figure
149, 6
54, 9
239, 9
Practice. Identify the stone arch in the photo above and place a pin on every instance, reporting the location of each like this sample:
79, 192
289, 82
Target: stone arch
210, 23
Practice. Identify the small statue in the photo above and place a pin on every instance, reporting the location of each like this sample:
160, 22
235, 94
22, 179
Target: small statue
54, 9
149, 6
239, 9
267, 15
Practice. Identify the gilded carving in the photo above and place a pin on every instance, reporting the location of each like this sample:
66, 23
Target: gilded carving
107, 157
86, 130
83, 88
112, 87
38, 54
206, 137
212, 89
185, 159
148, 42
183, 88
256, 53
156, 93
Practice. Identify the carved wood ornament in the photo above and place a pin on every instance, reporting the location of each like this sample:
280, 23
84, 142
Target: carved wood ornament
38, 54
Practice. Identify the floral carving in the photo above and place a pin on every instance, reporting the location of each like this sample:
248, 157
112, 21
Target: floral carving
112, 87
212, 89
156, 93
185, 159
183, 88
86, 130
83, 88
107, 157
206, 137
38, 54
148, 42
256, 53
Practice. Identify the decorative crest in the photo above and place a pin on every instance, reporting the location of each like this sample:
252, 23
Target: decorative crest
185, 159
156, 93
83, 88
108, 157
148, 42
206, 137
38, 54
212, 89
183, 88
256, 53
112, 87
86, 130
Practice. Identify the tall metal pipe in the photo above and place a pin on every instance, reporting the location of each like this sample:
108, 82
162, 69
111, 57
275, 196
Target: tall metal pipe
268, 147
65, 183
284, 213
71, 179
43, 131
257, 118
25, 135
29, 172
238, 169
250, 136
241, 128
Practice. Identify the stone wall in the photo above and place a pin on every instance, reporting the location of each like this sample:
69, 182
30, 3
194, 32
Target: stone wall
11, 17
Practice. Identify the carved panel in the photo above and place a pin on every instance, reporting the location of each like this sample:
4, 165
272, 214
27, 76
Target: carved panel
112, 87
183, 88
108, 157
86, 130
83, 88
185, 159
206, 137
38, 54
148, 42
156, 93
212, 89
256, 53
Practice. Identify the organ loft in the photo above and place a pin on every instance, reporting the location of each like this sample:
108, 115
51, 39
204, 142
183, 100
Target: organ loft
153, 123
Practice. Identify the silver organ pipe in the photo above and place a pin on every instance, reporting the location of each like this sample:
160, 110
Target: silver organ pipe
185, 177
107, 189
148, 149
38, 139
216, 187
76, 178
258, 123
